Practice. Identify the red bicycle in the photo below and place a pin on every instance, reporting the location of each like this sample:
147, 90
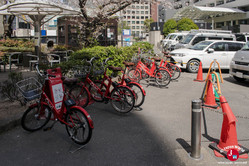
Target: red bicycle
135, 86
53, 105
161, 75
174, 70
121, 97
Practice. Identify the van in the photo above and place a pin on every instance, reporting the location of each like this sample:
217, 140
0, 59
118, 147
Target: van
170, 44
177, 36
195, 36
239, 66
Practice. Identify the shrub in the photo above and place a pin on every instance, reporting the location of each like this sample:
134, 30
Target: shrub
119, 55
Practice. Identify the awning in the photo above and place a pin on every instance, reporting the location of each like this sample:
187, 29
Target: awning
202, 13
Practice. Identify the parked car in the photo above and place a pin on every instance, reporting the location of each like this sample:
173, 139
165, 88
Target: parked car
206, 52
239, 67
196, 36
173, 39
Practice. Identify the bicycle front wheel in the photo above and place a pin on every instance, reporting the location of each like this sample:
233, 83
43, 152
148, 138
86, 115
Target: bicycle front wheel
139, 95
122, 99
34, 118
78, 127
162, 78
80, 95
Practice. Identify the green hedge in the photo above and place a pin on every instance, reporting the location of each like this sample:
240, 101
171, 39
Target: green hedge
119, 55
15, 49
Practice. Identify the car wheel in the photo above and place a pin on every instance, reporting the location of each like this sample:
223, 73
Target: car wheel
193, 66
239, 79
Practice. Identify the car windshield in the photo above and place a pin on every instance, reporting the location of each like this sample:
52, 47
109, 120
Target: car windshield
201, 45
187, 39
172, 37
245, 47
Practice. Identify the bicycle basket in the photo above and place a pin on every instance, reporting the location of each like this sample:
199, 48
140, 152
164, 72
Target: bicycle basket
30, 88
81, 71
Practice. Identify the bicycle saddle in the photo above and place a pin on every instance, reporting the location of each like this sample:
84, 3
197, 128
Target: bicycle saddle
115, 68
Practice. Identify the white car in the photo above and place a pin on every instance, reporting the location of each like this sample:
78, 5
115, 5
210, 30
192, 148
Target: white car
239, 67
206, 51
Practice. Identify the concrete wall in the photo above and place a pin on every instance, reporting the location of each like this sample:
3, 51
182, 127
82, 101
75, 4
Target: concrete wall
154, 38
244, 28
1, 26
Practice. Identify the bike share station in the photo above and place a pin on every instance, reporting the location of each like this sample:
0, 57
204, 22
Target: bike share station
211, 100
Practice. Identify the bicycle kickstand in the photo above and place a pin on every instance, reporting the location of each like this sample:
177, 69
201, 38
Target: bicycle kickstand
50, 127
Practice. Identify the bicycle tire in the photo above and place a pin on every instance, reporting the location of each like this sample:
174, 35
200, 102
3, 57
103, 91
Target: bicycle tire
122, 99
139, 98
162, 78
134, 75
176, 72
80, 95
40, 117
77, 125
94, 93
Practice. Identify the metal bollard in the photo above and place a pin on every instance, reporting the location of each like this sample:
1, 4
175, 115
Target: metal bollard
196, 130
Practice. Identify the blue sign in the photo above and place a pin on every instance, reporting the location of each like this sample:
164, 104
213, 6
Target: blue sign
43, 32
126, 32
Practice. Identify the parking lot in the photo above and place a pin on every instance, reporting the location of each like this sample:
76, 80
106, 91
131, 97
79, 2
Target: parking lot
158, 134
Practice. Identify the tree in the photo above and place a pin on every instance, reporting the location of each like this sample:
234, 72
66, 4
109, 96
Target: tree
169, 27
186, 24
7, 22
93, 12
147, 23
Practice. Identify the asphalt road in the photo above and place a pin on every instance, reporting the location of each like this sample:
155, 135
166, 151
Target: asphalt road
159, 134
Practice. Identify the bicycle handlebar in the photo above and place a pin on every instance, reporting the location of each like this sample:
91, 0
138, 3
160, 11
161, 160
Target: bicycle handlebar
38, 71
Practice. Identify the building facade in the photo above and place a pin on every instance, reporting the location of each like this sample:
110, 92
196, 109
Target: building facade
135, 15
239, 24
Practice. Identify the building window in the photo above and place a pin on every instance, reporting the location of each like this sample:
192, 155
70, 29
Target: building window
133, 27
133, 17
137, 22
133, 12
230, 1
133, 6
128, 22
133, 22
142, 12
137, 7
129, 17
128, 12
142, 17
137, 27
146, 17
219, 3
142, 7
137, 12
146, 7
142, 22
137, 17
146, 12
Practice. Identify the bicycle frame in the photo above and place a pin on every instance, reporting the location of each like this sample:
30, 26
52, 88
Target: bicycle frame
133, 82
58, 111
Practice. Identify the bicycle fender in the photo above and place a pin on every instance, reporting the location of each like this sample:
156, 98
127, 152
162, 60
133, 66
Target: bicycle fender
125, 86
85, 113
139, 86
162, 68
35, 104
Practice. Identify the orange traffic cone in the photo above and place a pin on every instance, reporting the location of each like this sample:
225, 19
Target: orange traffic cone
199, 74
228, 138
210, 98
